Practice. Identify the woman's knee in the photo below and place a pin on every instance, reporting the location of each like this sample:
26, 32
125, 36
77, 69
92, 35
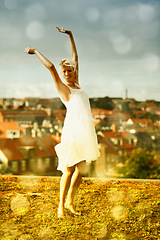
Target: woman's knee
69, 170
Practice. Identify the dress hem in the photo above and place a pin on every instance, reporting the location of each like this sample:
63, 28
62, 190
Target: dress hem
89, 161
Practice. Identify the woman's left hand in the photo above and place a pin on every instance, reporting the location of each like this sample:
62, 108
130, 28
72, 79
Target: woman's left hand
62, 30
30, 50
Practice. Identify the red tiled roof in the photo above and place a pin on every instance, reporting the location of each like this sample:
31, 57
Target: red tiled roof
132, 106
142, 121
100, 111
139, 112
110, 147
126, 145
13, 113
14, 148
10, 150
48, 144
55, 138
46, 100
19, 99
150, 100
96, 121
4, 126
59, 111
60, 114
151, 106
119, 115
157, 112
119, 135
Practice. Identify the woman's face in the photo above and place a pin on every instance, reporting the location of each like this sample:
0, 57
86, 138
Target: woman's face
68, 74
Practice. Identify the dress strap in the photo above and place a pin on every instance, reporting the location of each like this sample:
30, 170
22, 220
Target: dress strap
77, 85
71, 89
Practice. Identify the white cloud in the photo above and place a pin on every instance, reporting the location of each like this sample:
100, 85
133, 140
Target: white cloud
35, 11
35, 30
146, 12
151, 62
121, 43
21, 90
92, 14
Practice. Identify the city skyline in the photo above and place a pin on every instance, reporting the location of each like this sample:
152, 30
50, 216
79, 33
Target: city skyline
117, 42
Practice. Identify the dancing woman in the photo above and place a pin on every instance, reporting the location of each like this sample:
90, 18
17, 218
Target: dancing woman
78, 140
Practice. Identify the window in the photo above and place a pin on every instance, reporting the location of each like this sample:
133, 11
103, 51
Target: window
47, 162
15, 166
23, 165
39, 163
55, 161
120, 142
31, 164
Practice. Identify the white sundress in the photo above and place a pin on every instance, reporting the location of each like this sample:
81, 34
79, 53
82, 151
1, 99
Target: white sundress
78, 139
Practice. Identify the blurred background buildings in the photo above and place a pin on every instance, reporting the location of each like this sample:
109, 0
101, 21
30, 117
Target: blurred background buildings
31, 127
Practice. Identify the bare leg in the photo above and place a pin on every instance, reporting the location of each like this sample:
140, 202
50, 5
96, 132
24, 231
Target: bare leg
64, 186
75, 182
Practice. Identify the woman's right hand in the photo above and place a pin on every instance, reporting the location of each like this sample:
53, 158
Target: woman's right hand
62, 30
30, 50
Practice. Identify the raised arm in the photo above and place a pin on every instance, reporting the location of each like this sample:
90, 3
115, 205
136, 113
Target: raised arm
60, 86
74, 53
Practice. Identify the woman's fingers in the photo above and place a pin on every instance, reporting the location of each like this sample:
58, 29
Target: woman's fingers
26, 50
61, 30
29, 50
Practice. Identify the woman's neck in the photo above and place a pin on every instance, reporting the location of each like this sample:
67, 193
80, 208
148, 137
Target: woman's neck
72, 84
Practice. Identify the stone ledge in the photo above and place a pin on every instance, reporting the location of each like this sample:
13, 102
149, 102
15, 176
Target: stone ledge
111, 209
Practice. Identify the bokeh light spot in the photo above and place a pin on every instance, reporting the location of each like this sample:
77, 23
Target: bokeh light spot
92, 14
118, 213
146, 12
46, 234
20, 205
9, 231
29, 184
115, 196
10, 4
143, 206
35, 30
121, 43
25, 237
151, 62
101, 230
117, 236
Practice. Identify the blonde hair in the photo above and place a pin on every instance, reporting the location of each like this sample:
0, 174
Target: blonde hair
67, 63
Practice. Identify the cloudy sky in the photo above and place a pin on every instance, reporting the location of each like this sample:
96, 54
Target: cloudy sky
118, 43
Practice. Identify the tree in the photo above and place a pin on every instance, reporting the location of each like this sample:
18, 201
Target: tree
125, 107
140, 163
104, 103
148, 115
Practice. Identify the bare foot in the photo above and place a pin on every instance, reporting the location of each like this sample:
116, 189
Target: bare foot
71, 208
60, 212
